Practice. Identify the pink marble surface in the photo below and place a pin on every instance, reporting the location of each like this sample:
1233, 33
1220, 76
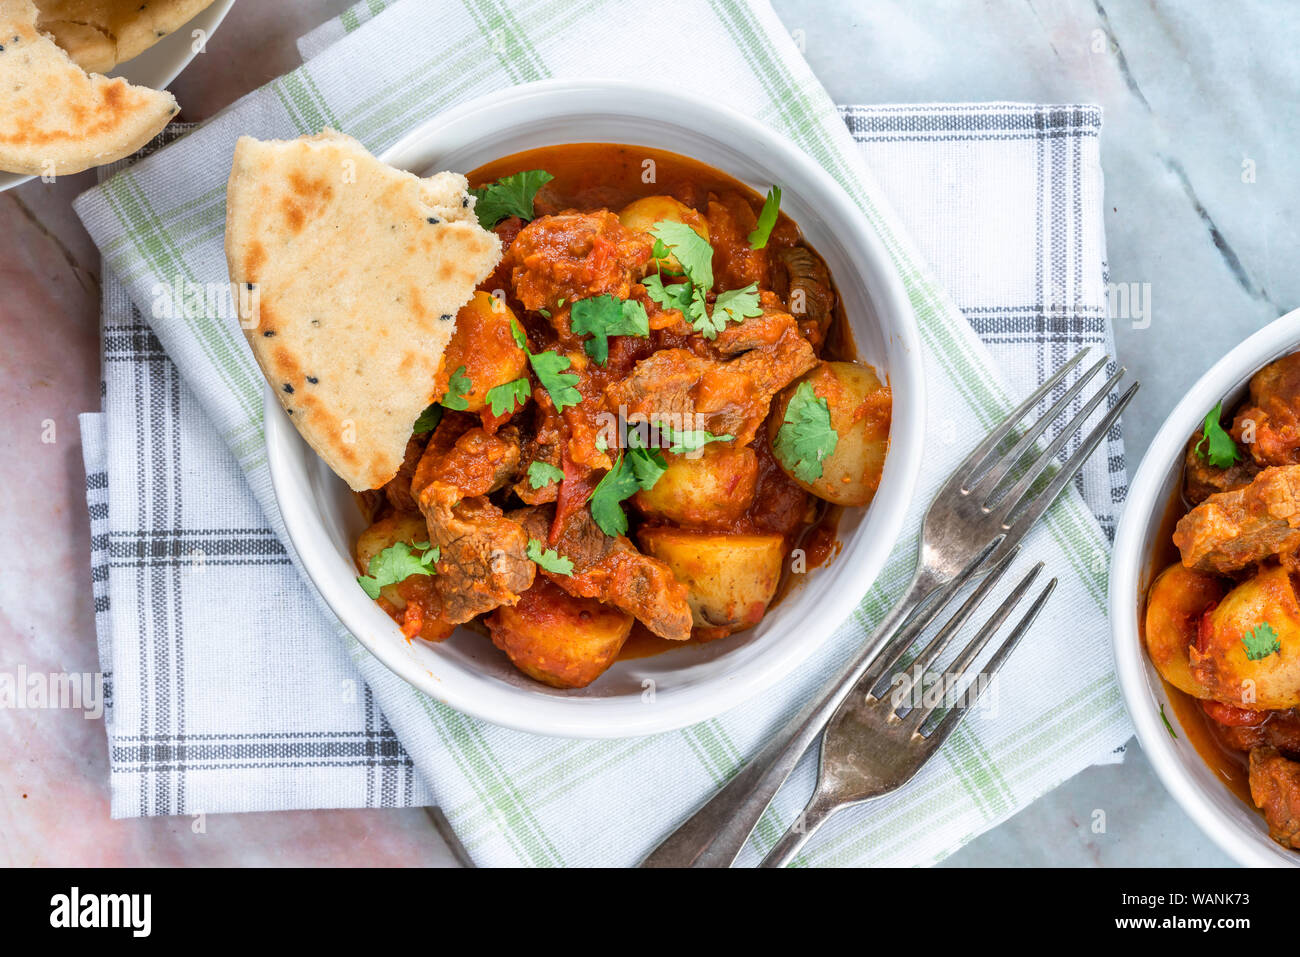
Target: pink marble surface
54, 763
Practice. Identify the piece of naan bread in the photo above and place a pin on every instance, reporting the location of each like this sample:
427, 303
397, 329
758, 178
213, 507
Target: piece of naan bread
100, 34
359, 270
54, 117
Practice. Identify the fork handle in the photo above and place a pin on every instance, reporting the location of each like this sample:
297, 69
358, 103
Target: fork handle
715, 834
800, 829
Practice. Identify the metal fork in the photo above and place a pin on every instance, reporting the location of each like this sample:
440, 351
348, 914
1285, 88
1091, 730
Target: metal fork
876, 743
972, 525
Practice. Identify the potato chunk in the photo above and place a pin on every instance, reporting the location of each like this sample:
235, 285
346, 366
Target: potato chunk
730, 579
406, 527
1237, 670
561, 640
860, 406
1175, 604
713, 487
641, 215
484, 346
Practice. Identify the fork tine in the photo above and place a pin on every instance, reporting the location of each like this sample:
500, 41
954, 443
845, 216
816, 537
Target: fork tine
1035, 468
917, 716
922, 617
958, 711
943, 638
994, 476
981, 451
1034, 508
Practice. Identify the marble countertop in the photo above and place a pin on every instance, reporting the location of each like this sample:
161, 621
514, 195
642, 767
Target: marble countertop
1201, 154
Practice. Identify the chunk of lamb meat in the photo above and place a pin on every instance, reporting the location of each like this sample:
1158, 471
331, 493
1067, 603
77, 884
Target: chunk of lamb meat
805, 284
1269, 423
612, 570
1231, 530
1275, 789
575, 256
483, 560
1201, 479
461, 453
398, 489
727, 396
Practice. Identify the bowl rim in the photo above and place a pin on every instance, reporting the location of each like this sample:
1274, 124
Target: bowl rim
1247, 846
611, 717
155, 67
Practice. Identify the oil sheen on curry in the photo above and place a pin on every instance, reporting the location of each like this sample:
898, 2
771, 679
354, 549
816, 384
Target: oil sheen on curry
1223, 622
647, 419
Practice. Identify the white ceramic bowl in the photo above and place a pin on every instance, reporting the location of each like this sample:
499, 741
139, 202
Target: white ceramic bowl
697, 681
157, 66
1235, 827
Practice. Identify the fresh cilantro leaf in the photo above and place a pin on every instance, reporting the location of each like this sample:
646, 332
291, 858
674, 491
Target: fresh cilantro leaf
766, 219
1216, 445
605, 316
637, 469
691, 249
508, 396
737, 305
682, 441
543, 473
676, 296
458, 386
428, 420
1168, 727
1261, 641
509, 196
550, 367
806, 437
619, 483
647, 465
396, 563
548, 558
697, 314
520, 339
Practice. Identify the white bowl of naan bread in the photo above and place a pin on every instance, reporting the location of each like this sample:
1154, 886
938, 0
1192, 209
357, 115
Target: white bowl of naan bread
84, 79
637, 696
1141, 541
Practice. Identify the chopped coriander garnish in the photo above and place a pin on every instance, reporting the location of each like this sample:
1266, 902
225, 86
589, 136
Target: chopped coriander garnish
806, 436
543, 473
548, 558
428, 420
1168, 727
696, 258
458, 386
676, 296
508, 396
1216, 445
396, 563
605, 316
637, 469
1261, 641
691, 249
518, 334
511, 195
549, 367
736, 305
692, 440
766, 219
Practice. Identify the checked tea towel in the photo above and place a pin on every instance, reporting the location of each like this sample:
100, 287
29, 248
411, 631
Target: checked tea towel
1003, 200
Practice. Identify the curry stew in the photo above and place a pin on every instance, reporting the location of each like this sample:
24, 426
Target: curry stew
1222, 622
646, 420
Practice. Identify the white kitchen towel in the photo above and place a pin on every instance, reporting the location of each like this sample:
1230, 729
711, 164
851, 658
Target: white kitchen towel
1006, 201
